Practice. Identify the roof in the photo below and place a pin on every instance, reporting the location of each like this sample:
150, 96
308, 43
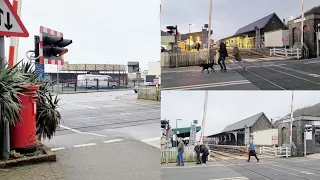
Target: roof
185, 130
249, 122
314, 10
261, 23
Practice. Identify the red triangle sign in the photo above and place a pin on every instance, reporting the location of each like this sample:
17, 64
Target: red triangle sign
10, 23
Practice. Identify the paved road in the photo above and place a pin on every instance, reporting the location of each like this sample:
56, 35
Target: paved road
264, 75
277, 169
107, 135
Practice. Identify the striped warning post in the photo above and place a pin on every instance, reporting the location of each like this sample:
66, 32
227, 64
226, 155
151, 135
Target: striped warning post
45, 60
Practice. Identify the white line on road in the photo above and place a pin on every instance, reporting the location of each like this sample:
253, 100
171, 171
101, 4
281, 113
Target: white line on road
84, 145
153, 105
313, 62
151, 139
81, 105
87, 133
113, 140
199, 86
57, 149
314, 75
231, 178
199, 166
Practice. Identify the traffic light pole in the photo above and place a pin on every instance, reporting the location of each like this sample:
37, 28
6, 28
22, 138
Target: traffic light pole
6, 133
318, 39
305, 143
176, 46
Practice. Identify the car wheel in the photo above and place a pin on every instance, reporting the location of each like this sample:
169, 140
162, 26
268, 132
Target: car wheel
113, 87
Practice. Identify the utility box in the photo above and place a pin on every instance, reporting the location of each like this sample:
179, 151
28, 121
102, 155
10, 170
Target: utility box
279, 38
23, 135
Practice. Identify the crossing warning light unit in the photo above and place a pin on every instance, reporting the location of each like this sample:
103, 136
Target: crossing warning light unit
164, 123
52, 46
172, 30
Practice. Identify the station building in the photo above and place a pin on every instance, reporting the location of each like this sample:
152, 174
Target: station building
239, 133
298, 124
252, 35
311, 19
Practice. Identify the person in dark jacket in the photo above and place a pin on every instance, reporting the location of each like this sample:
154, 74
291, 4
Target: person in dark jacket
223, 54
252, 151
205, 153
197, 150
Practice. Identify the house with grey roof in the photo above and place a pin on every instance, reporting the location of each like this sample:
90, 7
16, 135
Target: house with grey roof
239, 133
252, 35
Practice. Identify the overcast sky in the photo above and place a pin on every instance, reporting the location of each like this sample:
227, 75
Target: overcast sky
102, 31
227, 107
227, 15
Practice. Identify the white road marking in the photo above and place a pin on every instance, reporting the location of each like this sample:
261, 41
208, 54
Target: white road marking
153, 105
231, 178
314, 75
200, 86
84, 145
151, 139
306, 172
313, 62
87, 133
123, 114
113, 140
57, 149
199, 166
305, 160
80, 105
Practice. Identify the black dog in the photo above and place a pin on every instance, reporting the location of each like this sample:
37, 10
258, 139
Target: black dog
206, 67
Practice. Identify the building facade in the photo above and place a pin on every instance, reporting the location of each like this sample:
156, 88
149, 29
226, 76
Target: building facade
311, 19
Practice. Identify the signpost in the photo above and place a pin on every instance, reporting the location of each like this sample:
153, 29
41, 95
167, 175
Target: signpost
10, 25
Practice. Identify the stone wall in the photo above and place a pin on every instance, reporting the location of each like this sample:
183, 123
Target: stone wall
149, 93
309, 33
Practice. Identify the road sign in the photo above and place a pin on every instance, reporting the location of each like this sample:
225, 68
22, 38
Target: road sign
156, 81
10, 23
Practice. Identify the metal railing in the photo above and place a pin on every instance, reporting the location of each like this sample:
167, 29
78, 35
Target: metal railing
287, 53
183, 59
276, 151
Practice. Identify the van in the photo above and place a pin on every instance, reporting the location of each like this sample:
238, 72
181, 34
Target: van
92, 80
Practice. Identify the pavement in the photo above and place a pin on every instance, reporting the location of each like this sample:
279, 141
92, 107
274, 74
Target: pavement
276, 168
103, 135
259, 75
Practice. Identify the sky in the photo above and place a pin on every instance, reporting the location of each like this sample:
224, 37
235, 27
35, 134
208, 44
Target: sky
103, 32
227, 107
227, 15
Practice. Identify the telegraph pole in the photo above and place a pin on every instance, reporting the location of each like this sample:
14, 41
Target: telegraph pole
291, 118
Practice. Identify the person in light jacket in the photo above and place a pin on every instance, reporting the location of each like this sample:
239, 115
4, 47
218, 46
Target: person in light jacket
180, 153
236, 56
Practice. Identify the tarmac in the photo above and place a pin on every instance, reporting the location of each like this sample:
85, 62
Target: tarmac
274, 168
259, 75
103, 135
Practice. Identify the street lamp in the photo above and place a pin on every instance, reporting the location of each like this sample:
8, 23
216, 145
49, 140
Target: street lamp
176, 133
190, 36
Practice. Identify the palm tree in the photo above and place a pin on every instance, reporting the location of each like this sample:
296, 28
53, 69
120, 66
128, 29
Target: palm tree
11, 81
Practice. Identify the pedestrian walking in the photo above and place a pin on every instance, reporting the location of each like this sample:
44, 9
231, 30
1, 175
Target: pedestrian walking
197, 150
236, 56
223, 53
180, 153
252, 151
205, 153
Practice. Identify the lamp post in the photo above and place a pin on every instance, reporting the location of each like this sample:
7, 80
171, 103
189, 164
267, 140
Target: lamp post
291, 118
190, 36
176, 134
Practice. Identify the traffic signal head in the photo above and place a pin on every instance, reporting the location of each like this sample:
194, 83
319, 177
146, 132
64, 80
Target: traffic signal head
164, 123
171, 29
308, 128
54, 46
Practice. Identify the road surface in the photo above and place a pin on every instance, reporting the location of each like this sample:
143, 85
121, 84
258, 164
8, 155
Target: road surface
103, 135
260, 75
277, 169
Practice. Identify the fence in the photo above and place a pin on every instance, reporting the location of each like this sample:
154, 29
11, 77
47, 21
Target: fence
288, 53
170, 155
276, 151
183, 59
149, 93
